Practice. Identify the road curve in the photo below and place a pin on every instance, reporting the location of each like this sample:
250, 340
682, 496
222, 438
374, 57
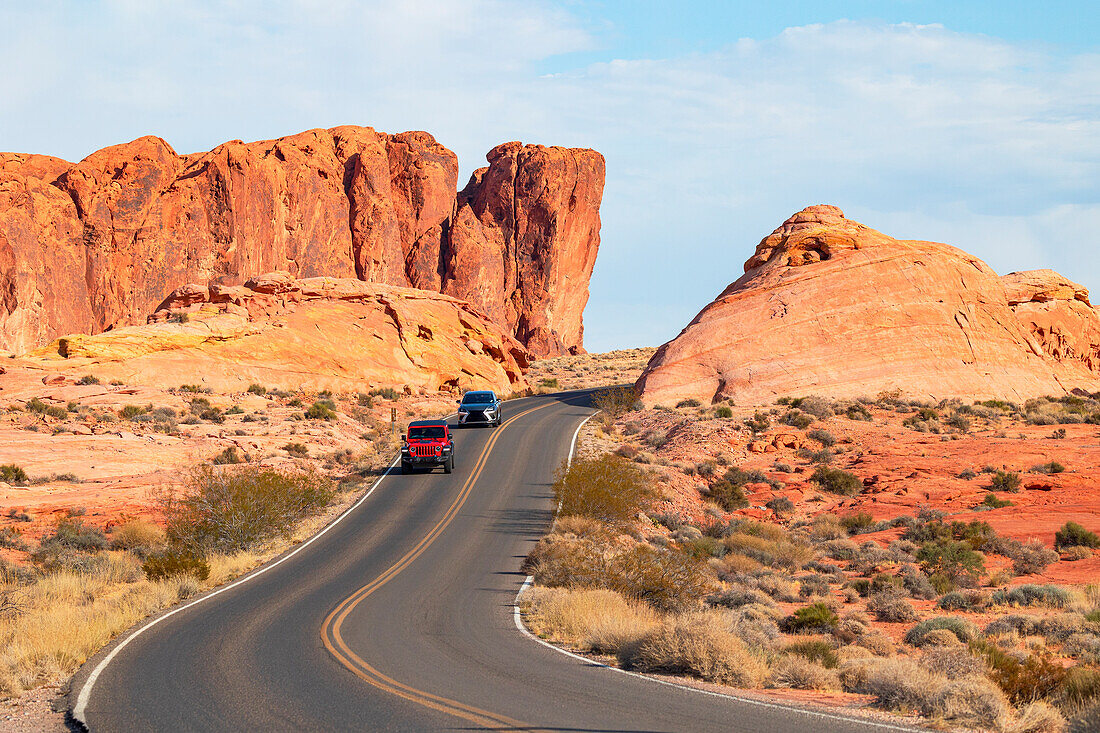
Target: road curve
400, 618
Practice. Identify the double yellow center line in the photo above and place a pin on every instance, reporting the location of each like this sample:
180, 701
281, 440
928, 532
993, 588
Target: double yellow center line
334, 641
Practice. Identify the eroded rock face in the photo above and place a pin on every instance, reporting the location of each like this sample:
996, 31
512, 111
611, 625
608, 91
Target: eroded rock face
524, 242
93, 246
320, 333
830, 306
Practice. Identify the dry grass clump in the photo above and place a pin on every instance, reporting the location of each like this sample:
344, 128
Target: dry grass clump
690, 645
67, 616
1038, 717
139, 536
799, 673
597, 620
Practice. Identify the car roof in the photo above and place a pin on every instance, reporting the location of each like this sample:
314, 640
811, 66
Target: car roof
479, 392
428, 424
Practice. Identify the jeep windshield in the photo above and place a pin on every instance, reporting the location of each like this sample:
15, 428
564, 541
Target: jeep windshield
431, 432
477, 398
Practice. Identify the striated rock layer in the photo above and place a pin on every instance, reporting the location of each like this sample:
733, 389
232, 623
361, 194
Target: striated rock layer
828, 305
89, 247
319, 333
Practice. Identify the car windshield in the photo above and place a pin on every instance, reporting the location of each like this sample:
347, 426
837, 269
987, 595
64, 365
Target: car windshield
475, 398
428, 432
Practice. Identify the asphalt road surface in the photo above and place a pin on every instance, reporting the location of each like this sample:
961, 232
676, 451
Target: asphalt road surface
400, 618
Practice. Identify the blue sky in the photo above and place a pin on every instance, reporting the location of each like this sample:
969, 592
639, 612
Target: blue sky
974, 123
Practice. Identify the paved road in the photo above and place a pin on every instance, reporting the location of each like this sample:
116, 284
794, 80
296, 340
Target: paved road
400, 619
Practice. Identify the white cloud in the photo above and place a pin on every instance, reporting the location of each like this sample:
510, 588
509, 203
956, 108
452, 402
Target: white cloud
922, 131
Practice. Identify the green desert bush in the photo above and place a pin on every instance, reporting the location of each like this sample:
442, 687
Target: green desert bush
963, 630
815, 650
163, 565
321, 410
816, 617
13, 474
1073, 534
950, 564
227, 457
836, 481
615, 401
968, 599
227, 511
1005, 481
1030, 594
797, 419
608, 488
994, 502
257, 389
723, 412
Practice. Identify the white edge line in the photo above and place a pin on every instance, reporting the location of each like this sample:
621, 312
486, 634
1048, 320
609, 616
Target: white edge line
518, 618
86, 691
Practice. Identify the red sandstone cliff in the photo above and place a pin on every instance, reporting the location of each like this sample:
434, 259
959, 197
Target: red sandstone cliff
88, 247
830, 306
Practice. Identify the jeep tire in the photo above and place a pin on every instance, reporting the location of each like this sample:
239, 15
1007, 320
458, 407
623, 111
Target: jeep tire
449, 465
406, 467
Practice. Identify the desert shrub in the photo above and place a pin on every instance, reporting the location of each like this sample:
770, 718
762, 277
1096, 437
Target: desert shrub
296, 449
1073, 534
129, 412
821, 457
973, 701
953, 662
1039, 717
916, 583
665, 580
257, 389
969, 599
170, 563
968, 473
1083, 646
963, 630
759, 422
615, 401
608, 488
73, 534
739, 595
836, 481
950, 564
213, 414
87, 379
691, 646
1079, 690
386, 393
227, 457
36, 405
230, 511
896, 684
798, 673
816, 617
856, 411
657, 438
819, 407
827, 527
321, 410
1005, 481
813, 585
1078, 553
887, 607
797, 419
1049, 467
701, 548
13, 474
1033, 678
780, 505
822, 436
57, 412
774, 550
137, 535
689, 402
597, 620
992, 501
778, 587
857, 522
815, 650
723, 412
1030, 594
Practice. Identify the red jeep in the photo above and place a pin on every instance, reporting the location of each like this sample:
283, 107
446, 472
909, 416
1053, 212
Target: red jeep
428, 443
